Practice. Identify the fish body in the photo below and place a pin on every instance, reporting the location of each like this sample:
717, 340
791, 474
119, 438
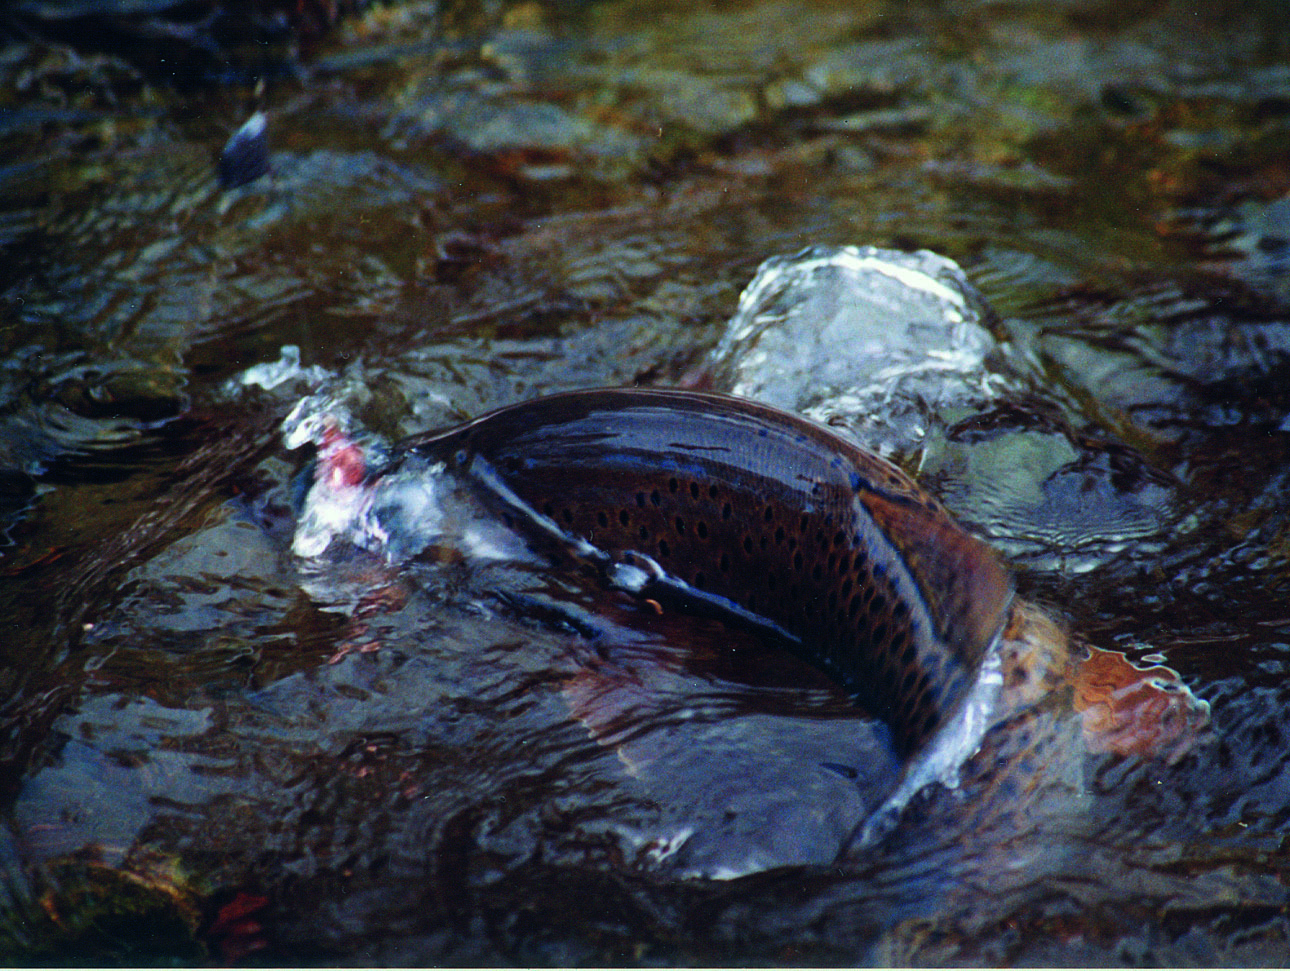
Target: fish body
721, 504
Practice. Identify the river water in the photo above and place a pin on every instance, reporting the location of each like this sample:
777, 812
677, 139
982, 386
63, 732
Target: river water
214, 749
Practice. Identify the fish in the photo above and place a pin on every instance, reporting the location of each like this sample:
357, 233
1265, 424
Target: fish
713, 504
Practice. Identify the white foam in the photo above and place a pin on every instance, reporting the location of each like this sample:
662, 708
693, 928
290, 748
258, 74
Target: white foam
403, 513
286, 368
310, 421
326, 516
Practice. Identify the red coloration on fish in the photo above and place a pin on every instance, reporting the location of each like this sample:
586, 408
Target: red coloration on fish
341, 461
1130, 710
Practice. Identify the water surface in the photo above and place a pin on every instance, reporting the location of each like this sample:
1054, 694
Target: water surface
212, 749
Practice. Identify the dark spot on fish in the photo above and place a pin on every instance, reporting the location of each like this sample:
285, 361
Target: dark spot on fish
567, 514
726, 511
673, 485
713, 492
700, 580
888, 677
907, 682
724, 563
920, 692
640, 499
769, 514
694, 490
748, 545
623, 517
655, 498
797, 560
910, 653
779, 535
680, 526
663, 548
644, 533
701, 528
603, 519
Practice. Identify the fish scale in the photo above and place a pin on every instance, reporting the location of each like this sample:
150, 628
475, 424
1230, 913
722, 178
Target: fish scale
724, 505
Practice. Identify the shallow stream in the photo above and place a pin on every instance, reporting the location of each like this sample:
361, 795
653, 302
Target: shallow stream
213, 749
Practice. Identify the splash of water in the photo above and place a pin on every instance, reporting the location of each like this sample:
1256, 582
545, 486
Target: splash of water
874, 340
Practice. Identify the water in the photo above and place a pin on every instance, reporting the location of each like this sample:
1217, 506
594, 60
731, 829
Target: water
875, 341
212, 747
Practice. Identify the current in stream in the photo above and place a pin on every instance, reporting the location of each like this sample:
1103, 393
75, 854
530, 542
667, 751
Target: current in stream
215, 748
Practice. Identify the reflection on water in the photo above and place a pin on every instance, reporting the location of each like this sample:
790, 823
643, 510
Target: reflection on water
210, 749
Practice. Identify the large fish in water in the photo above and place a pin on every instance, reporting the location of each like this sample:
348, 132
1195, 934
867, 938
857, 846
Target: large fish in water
716, 504
722, 504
